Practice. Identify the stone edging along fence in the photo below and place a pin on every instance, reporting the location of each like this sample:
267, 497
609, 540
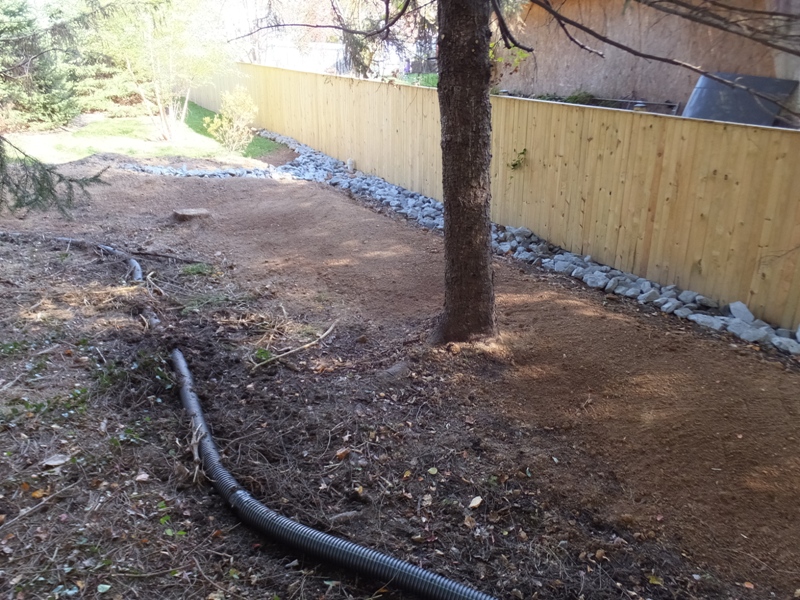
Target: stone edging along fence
519, 243
712, 207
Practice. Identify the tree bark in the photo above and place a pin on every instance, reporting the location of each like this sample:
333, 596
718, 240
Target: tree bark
464, 72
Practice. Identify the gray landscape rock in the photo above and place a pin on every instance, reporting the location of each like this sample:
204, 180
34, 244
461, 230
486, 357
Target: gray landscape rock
562, 266
761, 324
505, 248
661, 301
683, 312
671, 305
525, 256
668, 293
648, 296
797, 334
706, 302
747, 332
633, 292
687, 296
715, 323
784, 333
612, 284
523, 232
786, 345
428, 223
740, 311
596, 280
579, 272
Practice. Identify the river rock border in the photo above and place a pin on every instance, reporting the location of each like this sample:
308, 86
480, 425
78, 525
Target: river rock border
519, 243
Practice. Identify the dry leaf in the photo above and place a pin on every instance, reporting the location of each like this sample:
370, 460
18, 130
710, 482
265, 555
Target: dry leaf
2, 519
476, 502
655, 580
600, 554
56, 460
433, 470
427, 500
342, 453
749, 585
38, 494
142, 476
470, 522
25, 486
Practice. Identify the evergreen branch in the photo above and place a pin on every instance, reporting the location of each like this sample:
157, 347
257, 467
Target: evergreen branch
26, 183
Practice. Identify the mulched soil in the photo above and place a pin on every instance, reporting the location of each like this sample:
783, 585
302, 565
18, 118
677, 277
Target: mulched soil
595, 450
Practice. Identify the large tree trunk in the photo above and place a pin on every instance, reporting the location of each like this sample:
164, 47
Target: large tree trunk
464, 71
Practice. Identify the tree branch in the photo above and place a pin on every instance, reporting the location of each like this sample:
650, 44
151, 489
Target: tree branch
545, 4
698, 14
508, 38
371, 33
386, 19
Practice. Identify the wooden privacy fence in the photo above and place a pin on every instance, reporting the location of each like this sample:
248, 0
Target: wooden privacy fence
712, 207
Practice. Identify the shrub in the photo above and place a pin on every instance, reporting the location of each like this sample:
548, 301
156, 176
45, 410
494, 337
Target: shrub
231, 127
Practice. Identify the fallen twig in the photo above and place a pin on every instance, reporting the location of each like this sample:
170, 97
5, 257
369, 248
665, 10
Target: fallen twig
133, 264
295, 350
146, 575
211, 581
12, 382
188, 261
135, 267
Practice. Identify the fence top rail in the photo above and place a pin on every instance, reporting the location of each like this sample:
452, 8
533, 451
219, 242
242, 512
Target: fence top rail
508, 98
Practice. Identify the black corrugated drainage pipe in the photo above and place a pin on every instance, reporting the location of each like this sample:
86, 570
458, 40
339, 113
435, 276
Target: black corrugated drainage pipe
359, 559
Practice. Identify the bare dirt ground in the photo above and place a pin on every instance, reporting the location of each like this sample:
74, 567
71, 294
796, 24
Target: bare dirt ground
618, 453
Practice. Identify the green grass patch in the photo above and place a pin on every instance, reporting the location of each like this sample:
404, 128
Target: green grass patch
12, 348
134, 128
422, 79
194, 118
137, 137
197, 303
198, 269
259, 147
